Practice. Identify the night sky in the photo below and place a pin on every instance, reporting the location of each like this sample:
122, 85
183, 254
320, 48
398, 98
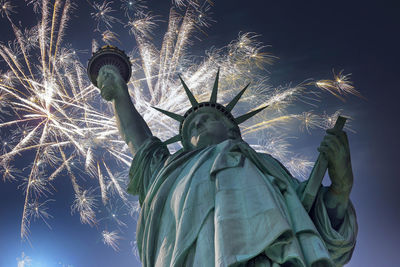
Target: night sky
310, 38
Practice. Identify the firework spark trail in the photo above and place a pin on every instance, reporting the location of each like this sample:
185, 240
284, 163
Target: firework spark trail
56, 8
6, 8
103, 189
249, 50
19, 37
118, 188
109, 36
268, 143
142, 28
182, 41
11, 60
115, 211
203, 16
187, 3
111, 239
133, 6
85, 203
143, 25
339, 86
37, 5
42, 33
166, 51
38, 210
309, 121
124, 158
61, 31
32, 182
102, 14
243, 56
10, 173
268, 123
55, 108
60, 168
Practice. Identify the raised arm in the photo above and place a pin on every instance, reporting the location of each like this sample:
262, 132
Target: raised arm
131, 124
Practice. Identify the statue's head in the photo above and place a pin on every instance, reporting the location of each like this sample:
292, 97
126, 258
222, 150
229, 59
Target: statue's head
208, 126
208, 123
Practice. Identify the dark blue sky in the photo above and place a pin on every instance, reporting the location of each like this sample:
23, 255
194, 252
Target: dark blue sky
310, 38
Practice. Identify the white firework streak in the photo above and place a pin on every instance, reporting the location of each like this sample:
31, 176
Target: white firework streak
339, 86
103, 188
6, 8
109, 36
9, 172
51, 102
38, 210
111, 239
85, 203
115, 183
133, 6
102, 14
54, 111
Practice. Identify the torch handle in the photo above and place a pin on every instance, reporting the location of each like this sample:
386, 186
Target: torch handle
318, 173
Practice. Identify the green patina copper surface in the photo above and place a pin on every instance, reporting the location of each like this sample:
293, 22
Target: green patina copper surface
220, 203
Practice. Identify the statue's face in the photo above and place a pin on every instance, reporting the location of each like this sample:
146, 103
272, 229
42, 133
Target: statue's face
208, 127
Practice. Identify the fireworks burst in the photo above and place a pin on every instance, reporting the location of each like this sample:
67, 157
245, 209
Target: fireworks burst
109, 36
102, 14
143, 25
38, 210
9, 172
6, 8
111, 239
53, 113
340, 85
85, 203
53, 116
133, 7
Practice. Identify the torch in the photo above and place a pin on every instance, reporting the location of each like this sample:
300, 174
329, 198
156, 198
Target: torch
109, 55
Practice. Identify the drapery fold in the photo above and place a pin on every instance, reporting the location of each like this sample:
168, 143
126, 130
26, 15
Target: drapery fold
233, 201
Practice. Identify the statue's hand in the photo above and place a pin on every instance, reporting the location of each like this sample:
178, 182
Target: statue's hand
335, 148
111, 83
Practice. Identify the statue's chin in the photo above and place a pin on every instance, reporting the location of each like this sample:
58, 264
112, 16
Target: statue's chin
204, 140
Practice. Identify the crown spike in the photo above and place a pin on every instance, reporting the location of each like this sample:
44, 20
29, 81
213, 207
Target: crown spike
213, 98
233, 102
172, 115
173, 139
247, 116
192, 99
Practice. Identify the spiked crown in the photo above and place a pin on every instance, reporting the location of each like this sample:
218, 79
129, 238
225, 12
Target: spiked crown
224, 110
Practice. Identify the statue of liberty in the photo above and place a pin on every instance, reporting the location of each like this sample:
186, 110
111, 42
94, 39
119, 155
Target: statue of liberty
217, 202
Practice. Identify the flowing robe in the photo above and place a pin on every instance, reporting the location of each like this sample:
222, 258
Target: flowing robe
227, 205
